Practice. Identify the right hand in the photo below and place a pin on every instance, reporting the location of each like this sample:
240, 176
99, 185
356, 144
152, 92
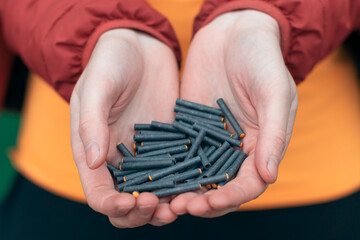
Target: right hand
130, 78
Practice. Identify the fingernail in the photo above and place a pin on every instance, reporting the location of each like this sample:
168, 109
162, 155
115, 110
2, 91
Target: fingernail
146, 210
92, 153
272, 166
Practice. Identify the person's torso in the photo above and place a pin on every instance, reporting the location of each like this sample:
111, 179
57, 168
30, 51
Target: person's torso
322, 162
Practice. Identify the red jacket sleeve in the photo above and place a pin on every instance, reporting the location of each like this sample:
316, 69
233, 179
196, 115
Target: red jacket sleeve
6, 58
309, 29
55, 38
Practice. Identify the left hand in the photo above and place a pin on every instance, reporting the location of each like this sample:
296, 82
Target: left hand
238, 57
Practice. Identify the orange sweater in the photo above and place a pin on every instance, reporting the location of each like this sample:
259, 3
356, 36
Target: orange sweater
321, 164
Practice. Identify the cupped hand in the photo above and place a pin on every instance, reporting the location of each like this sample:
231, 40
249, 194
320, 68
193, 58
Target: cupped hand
130, 78
238, 57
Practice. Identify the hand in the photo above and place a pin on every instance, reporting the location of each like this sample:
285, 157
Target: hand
238, 57
131, 78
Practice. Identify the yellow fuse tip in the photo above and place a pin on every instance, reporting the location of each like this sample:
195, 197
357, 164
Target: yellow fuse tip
222, 119
200, 171
214, 185
208, 186
242, 135
225, 127
150, 178
186, 147
135, 194
118, 143
134, 146
241, 144
142, 144
227, 176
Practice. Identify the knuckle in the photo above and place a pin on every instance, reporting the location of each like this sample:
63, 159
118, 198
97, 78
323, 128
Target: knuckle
242, 196
102, 203
279, 140
257, 195
93, 203
246, 196
96, 203
85, 126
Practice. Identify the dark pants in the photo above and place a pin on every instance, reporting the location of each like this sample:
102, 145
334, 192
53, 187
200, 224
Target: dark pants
32, 213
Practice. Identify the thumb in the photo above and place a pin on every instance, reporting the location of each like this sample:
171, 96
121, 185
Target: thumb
95, 106
271, 143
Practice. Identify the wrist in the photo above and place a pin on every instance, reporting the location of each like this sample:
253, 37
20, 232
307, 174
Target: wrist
131, 37
119, 33
246, 22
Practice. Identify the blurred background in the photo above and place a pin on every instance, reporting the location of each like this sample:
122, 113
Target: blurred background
10, 118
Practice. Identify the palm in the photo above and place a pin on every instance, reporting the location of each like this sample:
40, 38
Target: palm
248, 74
133, 90
153, 103
151, 97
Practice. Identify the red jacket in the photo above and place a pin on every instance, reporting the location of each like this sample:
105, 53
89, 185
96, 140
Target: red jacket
55, 38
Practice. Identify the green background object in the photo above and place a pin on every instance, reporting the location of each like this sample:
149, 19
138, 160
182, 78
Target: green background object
9, 124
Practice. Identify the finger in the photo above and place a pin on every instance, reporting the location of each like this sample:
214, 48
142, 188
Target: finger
205, 209
179, 203
100, 192
291, 121
236, 192
247, 186
198, 206
163, 215
219, 202
273, 114
95, 103
97, 184
146, 204
292, 112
